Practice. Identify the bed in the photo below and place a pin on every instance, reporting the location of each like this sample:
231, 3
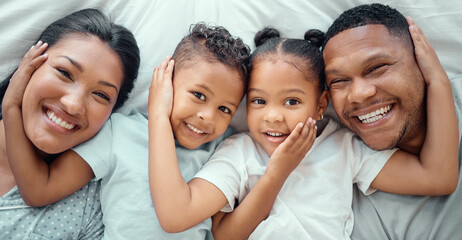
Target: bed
158, 26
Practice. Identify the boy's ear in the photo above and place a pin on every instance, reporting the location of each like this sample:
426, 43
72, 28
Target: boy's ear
323, 103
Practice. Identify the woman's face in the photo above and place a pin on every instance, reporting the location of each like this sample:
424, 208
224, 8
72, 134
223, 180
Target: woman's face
71, 95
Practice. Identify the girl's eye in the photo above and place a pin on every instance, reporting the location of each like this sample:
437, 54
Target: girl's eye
224, 109
64, 73
259, 101
292, 102
199, 95
103, 96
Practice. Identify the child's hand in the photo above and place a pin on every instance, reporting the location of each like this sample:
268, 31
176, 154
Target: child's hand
161, 90
428, 61
18, 82
290, 153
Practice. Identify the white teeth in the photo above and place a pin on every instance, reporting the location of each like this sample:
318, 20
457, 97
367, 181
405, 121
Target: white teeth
194, 129
274, 134
375, 115
51, 115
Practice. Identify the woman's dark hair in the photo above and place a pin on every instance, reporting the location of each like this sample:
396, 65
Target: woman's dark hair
374, 13
303, 54
212, 44
94, 22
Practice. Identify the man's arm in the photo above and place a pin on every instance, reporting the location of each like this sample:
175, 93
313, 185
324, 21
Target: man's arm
435, 171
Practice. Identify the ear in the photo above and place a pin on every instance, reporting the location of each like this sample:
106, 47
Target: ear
323, 103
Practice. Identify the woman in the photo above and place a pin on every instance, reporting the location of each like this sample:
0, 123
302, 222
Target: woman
81, 70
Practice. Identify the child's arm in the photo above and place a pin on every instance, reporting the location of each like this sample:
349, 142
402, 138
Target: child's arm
179, 205
437, 171
257, 205
39, 183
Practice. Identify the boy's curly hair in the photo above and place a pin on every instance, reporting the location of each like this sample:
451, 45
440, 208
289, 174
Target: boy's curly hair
212, 44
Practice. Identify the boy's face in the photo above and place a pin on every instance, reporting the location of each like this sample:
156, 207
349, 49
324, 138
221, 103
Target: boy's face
279, 97
205, 98
376, 87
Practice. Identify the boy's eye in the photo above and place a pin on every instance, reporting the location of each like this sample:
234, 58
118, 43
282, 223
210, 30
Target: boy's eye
259, 101
291, 102
199, 95
224, 109
102, 95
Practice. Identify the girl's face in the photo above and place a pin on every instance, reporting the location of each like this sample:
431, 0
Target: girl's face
279, 97
71, 95
206, 96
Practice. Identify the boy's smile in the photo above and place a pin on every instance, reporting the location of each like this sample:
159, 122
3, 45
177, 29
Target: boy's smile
206, 96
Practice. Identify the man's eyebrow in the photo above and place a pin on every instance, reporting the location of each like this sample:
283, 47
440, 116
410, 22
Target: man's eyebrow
73, 62
371, 58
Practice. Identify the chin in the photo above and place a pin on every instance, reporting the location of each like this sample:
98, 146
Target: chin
379, 144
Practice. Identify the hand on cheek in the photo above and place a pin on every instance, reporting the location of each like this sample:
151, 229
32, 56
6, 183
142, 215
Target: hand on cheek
161, 90
288, 155
18, 82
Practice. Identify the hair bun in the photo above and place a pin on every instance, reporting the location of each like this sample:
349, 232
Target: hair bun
315, 36
264, 35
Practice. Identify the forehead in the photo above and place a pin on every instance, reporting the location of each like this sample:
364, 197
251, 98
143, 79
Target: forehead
88, 51
217, 77
280, 74
362, 41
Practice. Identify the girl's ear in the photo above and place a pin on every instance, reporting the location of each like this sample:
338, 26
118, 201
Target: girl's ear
323, 103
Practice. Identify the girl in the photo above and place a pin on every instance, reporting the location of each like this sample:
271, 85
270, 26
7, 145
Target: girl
210, 78
62, 100
312, 198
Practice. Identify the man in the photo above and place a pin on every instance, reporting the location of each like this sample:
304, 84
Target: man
378, 92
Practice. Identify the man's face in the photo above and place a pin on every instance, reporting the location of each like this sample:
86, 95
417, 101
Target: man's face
376, 87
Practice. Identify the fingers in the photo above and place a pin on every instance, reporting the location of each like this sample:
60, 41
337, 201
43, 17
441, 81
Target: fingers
165, 69
302, 136
426, 57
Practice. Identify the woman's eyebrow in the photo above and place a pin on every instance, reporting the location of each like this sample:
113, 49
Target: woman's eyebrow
73, 62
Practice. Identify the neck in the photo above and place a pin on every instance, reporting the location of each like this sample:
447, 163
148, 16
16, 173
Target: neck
415, 144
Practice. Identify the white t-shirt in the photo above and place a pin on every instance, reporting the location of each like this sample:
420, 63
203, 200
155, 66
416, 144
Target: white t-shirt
118, 155
315, 201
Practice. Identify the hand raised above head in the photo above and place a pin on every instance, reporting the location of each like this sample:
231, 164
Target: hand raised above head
161, 89
428, 61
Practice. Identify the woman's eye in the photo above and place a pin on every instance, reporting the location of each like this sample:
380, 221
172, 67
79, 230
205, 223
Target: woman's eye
292, 102
259, 101
64, 73
199, 96
103, 96
224, 109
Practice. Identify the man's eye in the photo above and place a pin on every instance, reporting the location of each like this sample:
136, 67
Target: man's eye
199, 95
291, 102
